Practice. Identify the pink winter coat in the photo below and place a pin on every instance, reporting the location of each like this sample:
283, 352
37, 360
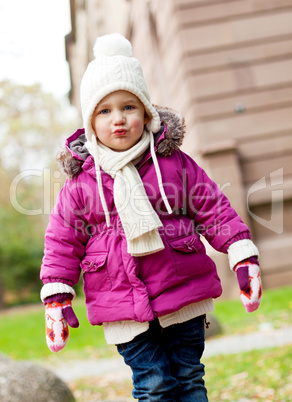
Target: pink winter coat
118, 286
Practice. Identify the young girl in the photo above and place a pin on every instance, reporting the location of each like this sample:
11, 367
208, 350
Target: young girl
130, 216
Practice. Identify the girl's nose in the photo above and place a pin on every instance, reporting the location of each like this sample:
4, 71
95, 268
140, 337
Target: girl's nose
118, 117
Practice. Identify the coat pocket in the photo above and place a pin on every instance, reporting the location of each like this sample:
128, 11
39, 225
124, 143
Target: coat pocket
187, 244
188, 253
95, 273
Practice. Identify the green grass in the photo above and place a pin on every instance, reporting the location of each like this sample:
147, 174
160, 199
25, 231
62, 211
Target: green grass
275, 309
102, 388
22, 335
256, 376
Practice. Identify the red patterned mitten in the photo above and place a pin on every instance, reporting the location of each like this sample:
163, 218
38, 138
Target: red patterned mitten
249, 280
58, 314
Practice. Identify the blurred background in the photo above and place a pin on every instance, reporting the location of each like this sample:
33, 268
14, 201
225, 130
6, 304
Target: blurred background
35, 118
225, 65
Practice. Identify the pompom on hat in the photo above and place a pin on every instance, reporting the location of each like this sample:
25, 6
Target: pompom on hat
113, 69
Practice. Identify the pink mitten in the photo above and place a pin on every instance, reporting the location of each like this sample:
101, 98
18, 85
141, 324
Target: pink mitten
58, 315
249, 280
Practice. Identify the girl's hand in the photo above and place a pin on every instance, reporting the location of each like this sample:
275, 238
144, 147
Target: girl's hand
249, 280
58, 314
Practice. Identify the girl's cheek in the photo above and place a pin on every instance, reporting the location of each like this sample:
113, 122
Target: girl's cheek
138, 124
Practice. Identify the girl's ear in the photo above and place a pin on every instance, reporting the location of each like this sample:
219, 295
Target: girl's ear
146, 118
93, 120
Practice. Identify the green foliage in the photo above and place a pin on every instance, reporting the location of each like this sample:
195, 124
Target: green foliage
21, 250
33, 126
20, 272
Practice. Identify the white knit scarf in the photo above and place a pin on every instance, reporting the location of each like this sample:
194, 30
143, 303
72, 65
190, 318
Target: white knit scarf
139, 220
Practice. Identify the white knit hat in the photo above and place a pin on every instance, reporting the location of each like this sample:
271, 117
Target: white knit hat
113, 69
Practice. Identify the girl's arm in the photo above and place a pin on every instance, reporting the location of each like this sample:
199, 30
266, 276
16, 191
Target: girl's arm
214, 217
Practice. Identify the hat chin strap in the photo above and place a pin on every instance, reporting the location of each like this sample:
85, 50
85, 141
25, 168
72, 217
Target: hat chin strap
158, 174
99, 181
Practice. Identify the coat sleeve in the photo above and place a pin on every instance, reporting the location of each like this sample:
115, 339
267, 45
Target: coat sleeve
65, 238
213, 215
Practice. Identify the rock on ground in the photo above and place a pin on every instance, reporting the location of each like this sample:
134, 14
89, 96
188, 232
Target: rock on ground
213, 328
27, 382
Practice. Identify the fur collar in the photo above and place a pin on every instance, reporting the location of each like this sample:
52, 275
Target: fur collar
72, 166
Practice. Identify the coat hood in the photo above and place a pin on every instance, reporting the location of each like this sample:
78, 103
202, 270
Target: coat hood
167, 141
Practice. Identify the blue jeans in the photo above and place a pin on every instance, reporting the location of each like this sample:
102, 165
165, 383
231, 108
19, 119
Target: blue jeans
166, 362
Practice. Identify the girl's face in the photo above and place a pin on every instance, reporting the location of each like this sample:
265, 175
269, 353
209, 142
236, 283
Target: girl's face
118, 120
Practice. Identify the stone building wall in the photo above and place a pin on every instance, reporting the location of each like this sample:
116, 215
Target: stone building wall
226, 65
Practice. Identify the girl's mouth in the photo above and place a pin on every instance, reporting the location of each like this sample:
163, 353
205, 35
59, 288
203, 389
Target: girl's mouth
120, 132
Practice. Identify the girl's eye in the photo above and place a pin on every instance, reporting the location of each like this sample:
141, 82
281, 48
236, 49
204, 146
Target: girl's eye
104, 111
129, 107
